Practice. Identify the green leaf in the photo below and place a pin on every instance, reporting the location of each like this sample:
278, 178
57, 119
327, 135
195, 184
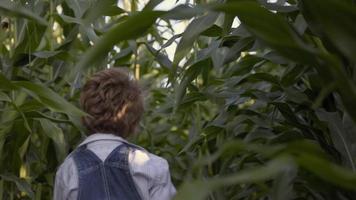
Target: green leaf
333, 69
335, 20
280, 8
170, 41
4, 97
16, 9
78, 6
245, 65
152, 4
133, 27
199, 189
283, 187
286, 111
46, 54
235, 51
182, 12
194, 29
213, 31
328, 171
24, 147
162, 59
189, 75
69, 19
37, 115
21, 184
5, 84
273, 29
292, 75
49, 98
264, 77
56, 135
102, 8
341, 139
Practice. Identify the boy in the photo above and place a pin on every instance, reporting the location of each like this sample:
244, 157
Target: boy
105, 165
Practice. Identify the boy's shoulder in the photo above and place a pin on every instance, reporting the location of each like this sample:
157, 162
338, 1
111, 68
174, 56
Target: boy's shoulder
67, 175
141, 161
144, 162
143, 156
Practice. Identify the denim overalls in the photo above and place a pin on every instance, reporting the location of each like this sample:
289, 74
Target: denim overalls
108, 180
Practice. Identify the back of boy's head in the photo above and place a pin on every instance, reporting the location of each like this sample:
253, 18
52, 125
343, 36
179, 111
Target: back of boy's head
113, 101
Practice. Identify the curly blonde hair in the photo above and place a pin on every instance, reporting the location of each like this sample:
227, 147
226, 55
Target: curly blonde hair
113, 101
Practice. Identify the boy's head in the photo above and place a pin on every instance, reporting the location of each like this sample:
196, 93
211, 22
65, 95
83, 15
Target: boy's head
113, 101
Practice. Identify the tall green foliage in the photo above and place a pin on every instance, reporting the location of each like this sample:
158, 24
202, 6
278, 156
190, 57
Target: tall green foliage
262, 110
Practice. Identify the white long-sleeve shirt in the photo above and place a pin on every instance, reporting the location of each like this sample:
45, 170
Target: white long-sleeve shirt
150, 172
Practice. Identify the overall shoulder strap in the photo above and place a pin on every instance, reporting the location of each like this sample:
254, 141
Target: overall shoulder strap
118, 174
84, 158
119, 154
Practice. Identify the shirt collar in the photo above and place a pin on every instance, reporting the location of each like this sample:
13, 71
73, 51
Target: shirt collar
106, 136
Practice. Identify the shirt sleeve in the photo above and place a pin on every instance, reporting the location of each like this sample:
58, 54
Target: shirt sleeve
58, 193
66, 183
151, 175
162, 187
